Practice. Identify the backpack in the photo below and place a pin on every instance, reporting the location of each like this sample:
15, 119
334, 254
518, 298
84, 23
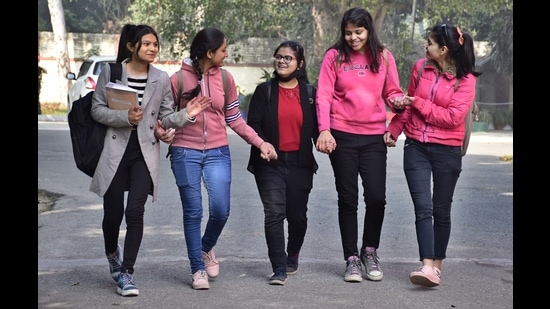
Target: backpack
88, 135
470, 117
225, 89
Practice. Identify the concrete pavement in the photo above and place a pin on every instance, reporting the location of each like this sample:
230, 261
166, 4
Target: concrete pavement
478, 273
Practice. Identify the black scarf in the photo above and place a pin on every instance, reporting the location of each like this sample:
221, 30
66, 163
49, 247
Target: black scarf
295, 74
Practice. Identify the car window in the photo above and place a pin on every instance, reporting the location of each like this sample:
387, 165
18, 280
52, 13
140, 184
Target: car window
99, 66
84, 68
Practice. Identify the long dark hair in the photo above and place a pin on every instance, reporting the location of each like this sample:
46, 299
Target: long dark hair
207, 39
132, 34
460, 45
360, 18
298, 49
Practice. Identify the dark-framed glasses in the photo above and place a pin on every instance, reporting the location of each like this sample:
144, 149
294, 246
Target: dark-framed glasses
286, 59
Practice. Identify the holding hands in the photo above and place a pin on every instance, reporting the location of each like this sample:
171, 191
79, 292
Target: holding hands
268, 151
325, 142
400, 103
164, 135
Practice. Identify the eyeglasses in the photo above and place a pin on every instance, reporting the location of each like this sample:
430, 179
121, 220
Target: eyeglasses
446, 35
286, 59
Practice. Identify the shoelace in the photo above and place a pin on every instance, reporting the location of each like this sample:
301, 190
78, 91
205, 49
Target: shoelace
372, 261
355, 267
127, 279
208, 259
113, 260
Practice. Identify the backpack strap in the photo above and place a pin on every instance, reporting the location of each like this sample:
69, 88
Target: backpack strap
225, 88
116, 71
180, 88
309, 93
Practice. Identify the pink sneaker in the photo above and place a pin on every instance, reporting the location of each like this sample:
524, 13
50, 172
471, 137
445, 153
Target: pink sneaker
427, 276
200, 280
211, 264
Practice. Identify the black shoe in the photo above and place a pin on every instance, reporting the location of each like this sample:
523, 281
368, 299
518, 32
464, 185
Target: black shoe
292, 264
278, 278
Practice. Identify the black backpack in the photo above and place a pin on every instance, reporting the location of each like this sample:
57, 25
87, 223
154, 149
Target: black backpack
88, 135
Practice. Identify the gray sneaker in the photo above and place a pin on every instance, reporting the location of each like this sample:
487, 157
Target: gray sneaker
353, 270
115, 262
372, 265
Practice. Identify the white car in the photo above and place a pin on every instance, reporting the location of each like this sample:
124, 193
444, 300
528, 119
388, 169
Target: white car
87, 77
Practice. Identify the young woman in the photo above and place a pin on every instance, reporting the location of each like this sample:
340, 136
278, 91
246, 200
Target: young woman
282, 113
433, 123
131, 154
200, 152
357, 80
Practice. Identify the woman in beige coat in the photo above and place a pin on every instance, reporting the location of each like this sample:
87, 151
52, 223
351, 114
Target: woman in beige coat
131, 153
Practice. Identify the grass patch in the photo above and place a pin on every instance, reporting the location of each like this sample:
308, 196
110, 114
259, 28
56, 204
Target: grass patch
53, 109
507, 158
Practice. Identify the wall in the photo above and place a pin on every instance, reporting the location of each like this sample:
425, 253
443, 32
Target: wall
257, 56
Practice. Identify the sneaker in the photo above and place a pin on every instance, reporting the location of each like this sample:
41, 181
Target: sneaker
427, 276
278, 278
114, 263
353, 270
126, 286
200, 280
372, 265
292, 264
211, 264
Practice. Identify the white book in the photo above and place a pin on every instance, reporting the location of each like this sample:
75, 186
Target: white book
121, 96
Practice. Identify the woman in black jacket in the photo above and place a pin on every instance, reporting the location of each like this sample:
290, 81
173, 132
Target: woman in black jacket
283, 113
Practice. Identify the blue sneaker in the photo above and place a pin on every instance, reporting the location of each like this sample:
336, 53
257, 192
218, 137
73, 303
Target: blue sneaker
126, 286
292, 264
115, 263
278, 278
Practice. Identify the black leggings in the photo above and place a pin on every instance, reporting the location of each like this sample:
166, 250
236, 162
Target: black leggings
133, 176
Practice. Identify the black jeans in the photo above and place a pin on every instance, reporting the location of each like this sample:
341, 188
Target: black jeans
133, 176
430, 166
366, 156
284, 190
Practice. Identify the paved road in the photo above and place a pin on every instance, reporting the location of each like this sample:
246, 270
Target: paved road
73, 271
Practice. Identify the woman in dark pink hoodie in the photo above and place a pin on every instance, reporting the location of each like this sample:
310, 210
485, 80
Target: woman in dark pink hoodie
435, 108
357, 81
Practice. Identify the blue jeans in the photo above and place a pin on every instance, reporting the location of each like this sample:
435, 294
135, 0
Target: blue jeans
191, 167
364, 156
421, 162
284, 189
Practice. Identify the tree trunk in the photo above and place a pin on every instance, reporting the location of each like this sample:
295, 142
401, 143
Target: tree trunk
60, 35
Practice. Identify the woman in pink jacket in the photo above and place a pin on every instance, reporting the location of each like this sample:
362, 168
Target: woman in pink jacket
357, 80
433, 123
200, 153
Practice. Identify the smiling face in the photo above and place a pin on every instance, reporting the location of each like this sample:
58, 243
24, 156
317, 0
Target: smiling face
356, 37
148, 50
284, 61
217, 57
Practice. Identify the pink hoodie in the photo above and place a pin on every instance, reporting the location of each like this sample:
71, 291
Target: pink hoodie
438, 111
209, 129
351, 98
